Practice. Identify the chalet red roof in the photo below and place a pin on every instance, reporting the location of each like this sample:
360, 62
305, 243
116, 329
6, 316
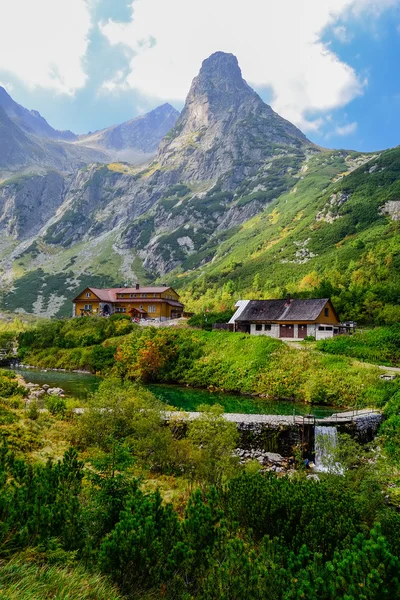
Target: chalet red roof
110, 294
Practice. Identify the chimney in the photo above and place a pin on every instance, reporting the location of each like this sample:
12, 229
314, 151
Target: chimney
288, 300
137, 286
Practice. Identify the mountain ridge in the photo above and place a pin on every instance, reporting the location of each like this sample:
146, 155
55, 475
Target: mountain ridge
234, 189
31, 121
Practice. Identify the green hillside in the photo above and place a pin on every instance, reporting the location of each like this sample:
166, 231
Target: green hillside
329, 236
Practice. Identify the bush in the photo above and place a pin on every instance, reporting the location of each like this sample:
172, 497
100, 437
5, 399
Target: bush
55, 405
9, 385
380, 345
207, 319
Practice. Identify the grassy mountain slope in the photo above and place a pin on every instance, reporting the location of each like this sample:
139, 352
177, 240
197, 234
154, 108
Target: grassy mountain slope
331, 234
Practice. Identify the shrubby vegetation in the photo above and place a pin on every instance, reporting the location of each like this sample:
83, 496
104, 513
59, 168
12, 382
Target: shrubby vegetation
206, 320
95, 528
206, 359
352, 256
242, 363
380, 345
45, 345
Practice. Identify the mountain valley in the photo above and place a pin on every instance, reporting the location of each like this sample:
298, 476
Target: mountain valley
223, 200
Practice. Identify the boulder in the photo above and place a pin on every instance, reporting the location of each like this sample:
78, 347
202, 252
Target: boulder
56, 391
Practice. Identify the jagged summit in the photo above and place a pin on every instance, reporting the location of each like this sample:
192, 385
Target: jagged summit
225, 122
221, 67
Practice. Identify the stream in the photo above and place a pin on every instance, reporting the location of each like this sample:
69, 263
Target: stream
81, 385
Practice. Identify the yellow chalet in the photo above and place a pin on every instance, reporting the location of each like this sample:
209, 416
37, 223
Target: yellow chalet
138, 302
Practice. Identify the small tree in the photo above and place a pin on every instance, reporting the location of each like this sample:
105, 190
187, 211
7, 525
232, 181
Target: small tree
215, 440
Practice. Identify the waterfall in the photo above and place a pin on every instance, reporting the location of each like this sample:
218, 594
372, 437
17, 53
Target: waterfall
325, 444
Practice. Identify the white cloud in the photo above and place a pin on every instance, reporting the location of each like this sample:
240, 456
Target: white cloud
7, 86
44, 42
278, 44
116, 83
342, 34
348, 129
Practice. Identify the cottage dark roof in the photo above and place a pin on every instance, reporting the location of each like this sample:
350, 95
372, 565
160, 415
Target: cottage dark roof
282, 310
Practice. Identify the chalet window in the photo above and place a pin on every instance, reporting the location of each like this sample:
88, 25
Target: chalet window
326, 312
120, 309
134, 295
155, 295
151, 308
88, 294
258, 327
131, 295
267, 327
141, 307
88, 307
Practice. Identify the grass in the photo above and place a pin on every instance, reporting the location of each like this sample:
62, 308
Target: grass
22, 580
379, 346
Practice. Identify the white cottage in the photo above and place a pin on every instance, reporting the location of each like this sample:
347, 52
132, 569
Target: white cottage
292, 318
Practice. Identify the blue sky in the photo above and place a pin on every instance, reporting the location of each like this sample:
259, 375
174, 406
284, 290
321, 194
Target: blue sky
329, 66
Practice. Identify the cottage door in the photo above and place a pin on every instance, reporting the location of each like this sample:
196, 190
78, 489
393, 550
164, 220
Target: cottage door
302, 331
286, 331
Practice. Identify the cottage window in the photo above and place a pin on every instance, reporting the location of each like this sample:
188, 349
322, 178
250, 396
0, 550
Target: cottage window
88, 294
258, 327
88, 307
326, 312
320, 328
267, 327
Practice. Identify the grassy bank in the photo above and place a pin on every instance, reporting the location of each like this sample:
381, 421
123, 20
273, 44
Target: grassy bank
205, 359
379, 346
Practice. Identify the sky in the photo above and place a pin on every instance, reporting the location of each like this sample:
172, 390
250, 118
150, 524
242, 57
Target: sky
329, 66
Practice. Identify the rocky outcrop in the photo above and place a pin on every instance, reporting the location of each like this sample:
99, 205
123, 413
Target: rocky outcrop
392, 209
28, 202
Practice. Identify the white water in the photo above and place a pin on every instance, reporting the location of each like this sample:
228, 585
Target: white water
325, 445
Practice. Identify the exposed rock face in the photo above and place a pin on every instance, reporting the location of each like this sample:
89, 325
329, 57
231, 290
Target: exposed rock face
140, 135
392, 209
28, 203
16, 149
225, 123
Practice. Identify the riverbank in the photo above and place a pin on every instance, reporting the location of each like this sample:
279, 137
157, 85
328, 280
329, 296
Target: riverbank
221, 361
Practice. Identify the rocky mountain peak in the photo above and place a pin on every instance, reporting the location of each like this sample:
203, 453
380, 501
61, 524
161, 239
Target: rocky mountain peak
221, 69
225, 123
218, 88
